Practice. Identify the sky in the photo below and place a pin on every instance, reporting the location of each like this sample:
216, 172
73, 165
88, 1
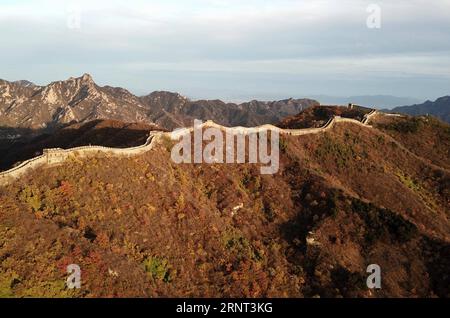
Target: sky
233, 49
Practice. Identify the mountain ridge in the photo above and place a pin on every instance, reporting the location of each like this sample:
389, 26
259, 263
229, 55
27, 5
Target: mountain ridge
79, 99
439, 108
61, 102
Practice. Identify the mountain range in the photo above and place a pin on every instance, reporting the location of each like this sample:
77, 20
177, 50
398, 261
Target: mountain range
25, 105
440, 108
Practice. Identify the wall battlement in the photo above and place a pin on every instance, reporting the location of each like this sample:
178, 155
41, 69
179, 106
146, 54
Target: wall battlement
58, 155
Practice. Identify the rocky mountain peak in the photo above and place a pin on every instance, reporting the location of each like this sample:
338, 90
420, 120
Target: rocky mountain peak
443, 99
77, 99
82, 81
86, 78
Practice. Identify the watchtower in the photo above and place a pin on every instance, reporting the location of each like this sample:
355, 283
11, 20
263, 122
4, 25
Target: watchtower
55, 155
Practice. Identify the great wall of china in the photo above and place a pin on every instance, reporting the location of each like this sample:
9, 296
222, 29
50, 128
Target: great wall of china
58, 155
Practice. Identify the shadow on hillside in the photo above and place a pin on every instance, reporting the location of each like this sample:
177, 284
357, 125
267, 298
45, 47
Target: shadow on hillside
20, 144
438, 266
317, 116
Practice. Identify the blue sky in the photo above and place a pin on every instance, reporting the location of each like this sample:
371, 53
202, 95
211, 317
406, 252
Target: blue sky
232, 49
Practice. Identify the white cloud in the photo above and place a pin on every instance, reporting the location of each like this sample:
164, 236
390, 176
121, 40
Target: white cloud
323, 37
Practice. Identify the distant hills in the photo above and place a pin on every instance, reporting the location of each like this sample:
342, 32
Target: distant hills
80, 100
25, 105
171, 110
440, 108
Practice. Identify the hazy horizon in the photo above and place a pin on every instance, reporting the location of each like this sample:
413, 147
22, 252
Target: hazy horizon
232, 50
235, 98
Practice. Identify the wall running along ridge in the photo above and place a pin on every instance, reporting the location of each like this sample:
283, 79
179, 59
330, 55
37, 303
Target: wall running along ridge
58, 155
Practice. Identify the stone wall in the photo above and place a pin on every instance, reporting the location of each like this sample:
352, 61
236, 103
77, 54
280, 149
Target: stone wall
58, 155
